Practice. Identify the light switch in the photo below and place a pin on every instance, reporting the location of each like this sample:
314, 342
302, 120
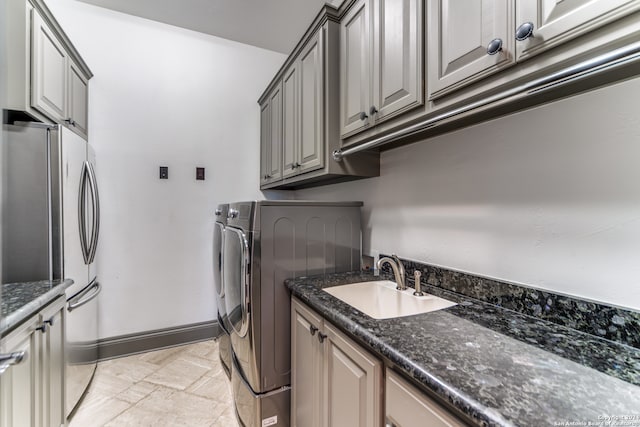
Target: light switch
199, 174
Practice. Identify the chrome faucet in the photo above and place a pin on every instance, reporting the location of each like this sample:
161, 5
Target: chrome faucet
398, 270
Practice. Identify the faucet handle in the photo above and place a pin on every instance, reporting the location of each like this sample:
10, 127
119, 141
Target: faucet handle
416, 276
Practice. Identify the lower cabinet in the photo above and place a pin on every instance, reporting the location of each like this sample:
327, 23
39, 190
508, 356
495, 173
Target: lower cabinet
32, 391
20, 382
334, 381
406, 406
52, 363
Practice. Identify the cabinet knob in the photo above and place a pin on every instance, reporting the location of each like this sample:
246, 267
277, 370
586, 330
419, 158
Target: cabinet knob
363, 116
312, 330
373, 110
233, 213
524, 31
42, 328
50, 321
494, 46
321, 337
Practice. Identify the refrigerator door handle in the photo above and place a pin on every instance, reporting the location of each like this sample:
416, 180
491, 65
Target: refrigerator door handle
93, 185
82, 213
82, 299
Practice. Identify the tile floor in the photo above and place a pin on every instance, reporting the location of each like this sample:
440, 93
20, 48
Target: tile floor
179, 386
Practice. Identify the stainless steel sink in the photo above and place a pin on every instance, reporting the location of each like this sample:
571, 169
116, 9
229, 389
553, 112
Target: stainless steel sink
381, 300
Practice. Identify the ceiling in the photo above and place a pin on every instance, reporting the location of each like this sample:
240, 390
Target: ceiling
270, 24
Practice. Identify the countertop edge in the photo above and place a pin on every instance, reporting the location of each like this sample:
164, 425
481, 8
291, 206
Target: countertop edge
15, 318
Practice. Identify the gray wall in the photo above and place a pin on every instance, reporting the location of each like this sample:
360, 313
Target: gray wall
548, 197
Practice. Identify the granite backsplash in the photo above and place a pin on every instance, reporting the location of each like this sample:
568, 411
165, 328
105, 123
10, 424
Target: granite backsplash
601, 320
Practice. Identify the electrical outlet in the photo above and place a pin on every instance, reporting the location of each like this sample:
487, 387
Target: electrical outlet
164, 172
367, 263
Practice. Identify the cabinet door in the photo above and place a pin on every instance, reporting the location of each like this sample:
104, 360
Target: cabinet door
352, 383
459, 33
52, 372
290, 118
49, 71
78, 101
20, 383
556, 22
306, 368
311, 144
397, 56
265, 142
355, 67
406, 406
271, 136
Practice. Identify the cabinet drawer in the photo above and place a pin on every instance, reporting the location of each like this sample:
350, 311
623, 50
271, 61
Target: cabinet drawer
406, 406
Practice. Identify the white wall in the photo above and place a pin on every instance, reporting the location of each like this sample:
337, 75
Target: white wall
162, 95
549, 197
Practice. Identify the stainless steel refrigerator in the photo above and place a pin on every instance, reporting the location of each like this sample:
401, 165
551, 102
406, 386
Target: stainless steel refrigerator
51, 224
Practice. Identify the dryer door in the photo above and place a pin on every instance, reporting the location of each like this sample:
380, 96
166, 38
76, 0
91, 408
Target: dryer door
236, 279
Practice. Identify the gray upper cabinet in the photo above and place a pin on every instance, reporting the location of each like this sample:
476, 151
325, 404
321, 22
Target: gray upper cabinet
309, 155
310, 117
265, 140
290, 120
49, 77
397, 56
556, 22
470, 40
382, 62
461, 33
271, 137
355, 68
303, 115
78, 100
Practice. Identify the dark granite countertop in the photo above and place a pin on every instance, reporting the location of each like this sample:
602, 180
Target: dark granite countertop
22, 300
496, 366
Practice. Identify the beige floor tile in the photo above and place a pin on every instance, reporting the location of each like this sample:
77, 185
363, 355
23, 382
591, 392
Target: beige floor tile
208, 364
178, 374
137, 392
206, 349
162, 357
97, 411
212, 387
169, 407
226, 419
131, 368
110, 385
179, 386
